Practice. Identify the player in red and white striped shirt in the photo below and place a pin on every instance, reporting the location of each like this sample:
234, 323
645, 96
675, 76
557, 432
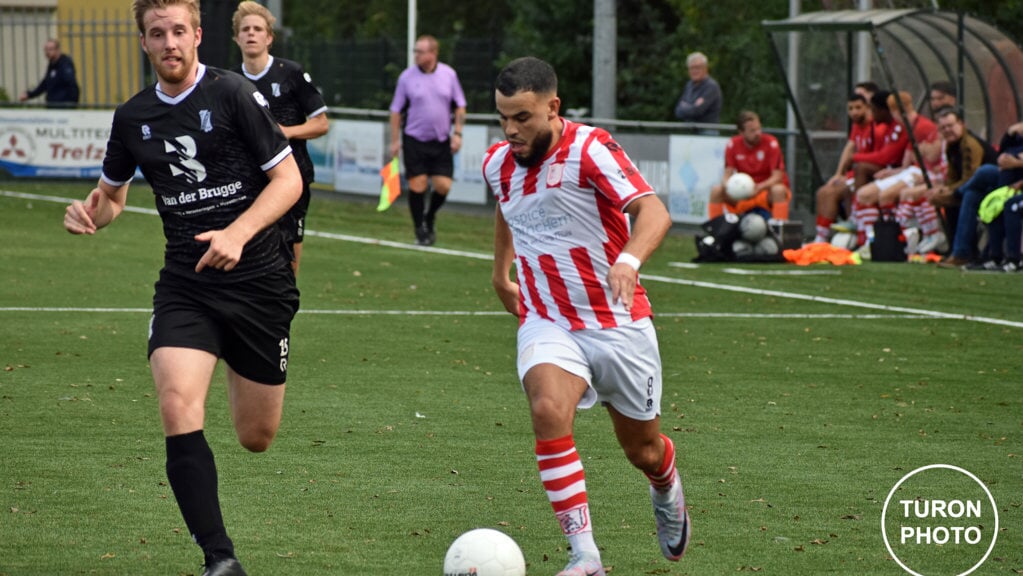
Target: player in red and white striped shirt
565, 192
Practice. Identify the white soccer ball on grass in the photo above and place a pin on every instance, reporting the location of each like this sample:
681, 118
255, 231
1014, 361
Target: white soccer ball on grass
740, 186
484, 552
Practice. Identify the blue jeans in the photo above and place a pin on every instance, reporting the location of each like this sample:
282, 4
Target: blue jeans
984, 180
1007, 228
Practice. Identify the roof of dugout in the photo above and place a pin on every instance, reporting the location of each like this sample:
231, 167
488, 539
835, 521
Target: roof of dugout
822, 55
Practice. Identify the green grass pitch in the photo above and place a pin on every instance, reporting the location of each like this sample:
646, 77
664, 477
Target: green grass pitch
797, 403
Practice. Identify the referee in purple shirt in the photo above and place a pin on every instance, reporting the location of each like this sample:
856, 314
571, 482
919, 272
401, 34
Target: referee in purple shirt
426, 94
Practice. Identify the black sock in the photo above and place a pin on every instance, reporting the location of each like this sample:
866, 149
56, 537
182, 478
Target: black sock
416, 204
193, 478
436, 201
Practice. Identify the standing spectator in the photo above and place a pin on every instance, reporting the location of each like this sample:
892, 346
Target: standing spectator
222, 174
426, 94
295, 103
701, 97
59, 82
564, 194
837, 190
759, 155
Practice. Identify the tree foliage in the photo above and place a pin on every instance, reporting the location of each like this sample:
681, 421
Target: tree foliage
654, 37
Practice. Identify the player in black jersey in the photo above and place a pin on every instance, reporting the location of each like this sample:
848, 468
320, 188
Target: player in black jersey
294, 102
222, 174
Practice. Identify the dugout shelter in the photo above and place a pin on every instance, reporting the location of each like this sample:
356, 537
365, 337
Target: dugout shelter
822, 55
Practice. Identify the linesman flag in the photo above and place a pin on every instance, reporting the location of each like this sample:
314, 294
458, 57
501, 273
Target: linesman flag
391, 188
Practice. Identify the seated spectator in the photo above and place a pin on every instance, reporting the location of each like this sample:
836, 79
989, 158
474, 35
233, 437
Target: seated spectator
1008, 227
759, 155
889, 147
1007, 170
882, 194
867, 89
834, 194
964, 154
701, 97
942, 95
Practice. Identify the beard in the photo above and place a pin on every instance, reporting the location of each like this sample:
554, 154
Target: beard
537, 150
173, 75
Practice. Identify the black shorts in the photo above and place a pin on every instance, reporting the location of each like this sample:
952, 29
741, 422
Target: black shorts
248, 324
293, 222
430, 158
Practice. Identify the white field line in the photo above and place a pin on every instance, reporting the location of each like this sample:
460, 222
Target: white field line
889, 311
495, 313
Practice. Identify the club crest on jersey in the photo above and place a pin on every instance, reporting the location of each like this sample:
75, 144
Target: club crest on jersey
147, 132
554, 174
206, 120
275, 88
760, 155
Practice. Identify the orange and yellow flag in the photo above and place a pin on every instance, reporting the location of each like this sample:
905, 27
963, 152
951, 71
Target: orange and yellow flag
391, 188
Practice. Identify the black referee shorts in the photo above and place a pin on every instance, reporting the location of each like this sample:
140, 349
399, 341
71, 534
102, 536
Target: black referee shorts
248, 324
430, 158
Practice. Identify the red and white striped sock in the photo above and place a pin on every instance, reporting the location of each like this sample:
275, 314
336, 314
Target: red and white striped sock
824, 228
927, 217
665, 475
904, 213
865, 216
561, 472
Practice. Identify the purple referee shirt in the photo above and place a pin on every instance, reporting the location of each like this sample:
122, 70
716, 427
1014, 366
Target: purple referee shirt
429, 99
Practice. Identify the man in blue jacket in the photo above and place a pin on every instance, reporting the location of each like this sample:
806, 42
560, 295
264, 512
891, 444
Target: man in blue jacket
59, 83
701, 98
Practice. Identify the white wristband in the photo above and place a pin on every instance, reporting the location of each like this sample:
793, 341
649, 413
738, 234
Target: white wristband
630, 260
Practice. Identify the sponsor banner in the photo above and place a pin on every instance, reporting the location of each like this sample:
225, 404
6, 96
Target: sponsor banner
356, 151
53, 143
697, 163
349, 157
71, 144
468, 186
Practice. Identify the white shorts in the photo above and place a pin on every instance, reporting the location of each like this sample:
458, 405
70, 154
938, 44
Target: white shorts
907, 176
621, 366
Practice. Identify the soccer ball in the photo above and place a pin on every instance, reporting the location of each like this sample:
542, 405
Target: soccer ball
484, 552
740, 186
844, 240
752, 227
742, 248
767, 246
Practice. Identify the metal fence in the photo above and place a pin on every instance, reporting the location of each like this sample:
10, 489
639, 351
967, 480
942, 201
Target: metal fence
103, 44
111, 66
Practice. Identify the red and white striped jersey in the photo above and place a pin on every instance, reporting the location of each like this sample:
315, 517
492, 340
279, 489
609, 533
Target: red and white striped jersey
568, 226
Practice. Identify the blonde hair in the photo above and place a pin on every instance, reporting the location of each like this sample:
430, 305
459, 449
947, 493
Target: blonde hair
140, 7
250, 8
